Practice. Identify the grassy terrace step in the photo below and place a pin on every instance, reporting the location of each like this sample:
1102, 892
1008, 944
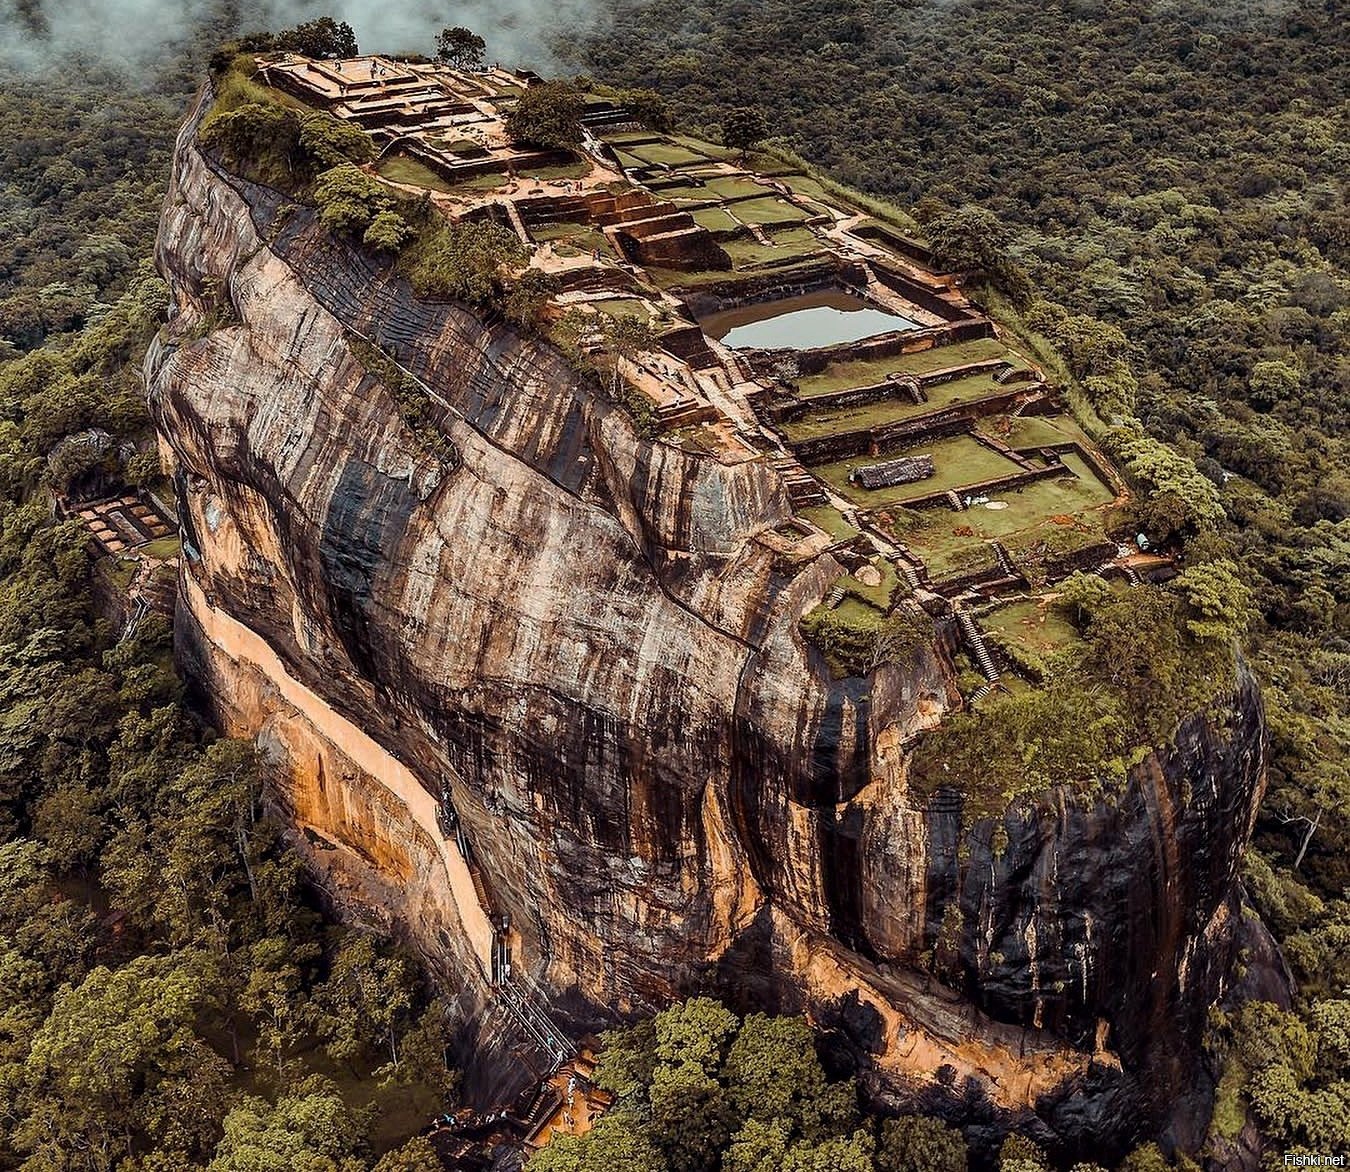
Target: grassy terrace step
939, 537
1036, 623
873, 415
830, 519
841, 376
960, 460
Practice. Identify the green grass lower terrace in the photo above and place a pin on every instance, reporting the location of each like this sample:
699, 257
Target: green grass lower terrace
1036, 625
891, 410
768, 210
841, 376
791, 245
959, 460
950, 542
402, 169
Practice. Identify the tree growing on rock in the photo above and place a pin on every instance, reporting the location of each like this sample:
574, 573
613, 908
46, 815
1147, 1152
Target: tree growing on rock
460, 48
324, 38
547, 116
743, 128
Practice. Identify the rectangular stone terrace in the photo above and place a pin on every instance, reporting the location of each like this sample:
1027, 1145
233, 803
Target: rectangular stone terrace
791, 327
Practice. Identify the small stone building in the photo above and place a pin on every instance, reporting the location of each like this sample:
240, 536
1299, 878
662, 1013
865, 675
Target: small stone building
903, 470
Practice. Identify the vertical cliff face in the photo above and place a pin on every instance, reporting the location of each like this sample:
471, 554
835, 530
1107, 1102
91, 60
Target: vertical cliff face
588, 644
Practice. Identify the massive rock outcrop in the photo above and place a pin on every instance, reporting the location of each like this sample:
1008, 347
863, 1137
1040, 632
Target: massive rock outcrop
588, 642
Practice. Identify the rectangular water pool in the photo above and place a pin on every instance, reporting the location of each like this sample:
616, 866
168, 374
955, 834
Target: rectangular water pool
803, 323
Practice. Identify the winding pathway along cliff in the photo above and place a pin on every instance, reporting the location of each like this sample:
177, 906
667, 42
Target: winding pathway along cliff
583, 638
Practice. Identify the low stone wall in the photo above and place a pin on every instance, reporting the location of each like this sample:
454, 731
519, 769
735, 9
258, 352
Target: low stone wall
937, 424
889, 345
924, 296
901, 244
456, 172
890, 388
996, 484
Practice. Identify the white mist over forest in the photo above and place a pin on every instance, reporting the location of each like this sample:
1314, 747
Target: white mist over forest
132, 34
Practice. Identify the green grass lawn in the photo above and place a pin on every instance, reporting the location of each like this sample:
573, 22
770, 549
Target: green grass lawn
794, 244
857, 612
768, 210
715, 219
402, 169
1040, 500
162, 548
878, 596
959, 460
578, 237
844, 419
872, 415
671, 154
678, 279
830, 519
841, 376
621, 307
710, 149
1032, 431
942, 539
616, 137
735, 186
1034, 622
953, 543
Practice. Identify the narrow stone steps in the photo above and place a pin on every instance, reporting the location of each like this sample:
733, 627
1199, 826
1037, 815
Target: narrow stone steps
978, 649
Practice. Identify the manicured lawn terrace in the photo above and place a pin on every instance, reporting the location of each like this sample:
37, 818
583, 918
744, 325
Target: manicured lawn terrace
580, 237
669, 153
716, 219
402, 169
840, 376
830, 519
951, 543
872, 415
790, 245
621, 307
619, 137
1032, 431
678, 279
768, 210
959, 460
1036, 623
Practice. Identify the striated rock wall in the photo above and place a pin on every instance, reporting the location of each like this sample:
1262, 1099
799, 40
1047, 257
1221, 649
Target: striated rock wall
583, 636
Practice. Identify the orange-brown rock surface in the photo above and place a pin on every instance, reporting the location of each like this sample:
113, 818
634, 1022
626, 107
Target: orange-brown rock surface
582, 635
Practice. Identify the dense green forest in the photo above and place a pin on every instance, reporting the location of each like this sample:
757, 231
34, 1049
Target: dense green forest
173, 996
1158, 191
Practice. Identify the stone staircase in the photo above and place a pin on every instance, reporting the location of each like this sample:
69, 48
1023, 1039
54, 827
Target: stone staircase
1005, 563
910, 574
955, 501
979, 650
